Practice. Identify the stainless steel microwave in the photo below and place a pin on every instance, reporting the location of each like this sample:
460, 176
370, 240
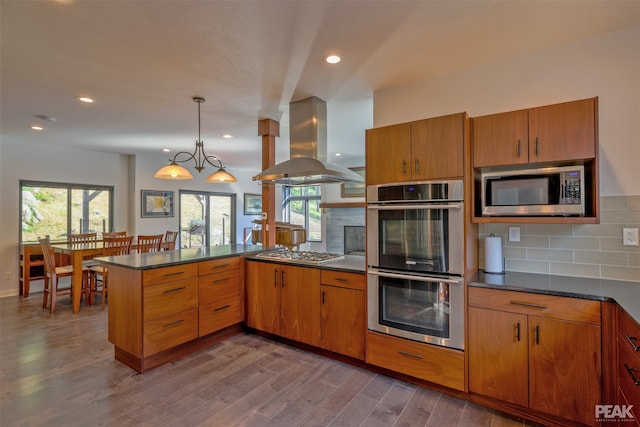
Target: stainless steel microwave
551, 191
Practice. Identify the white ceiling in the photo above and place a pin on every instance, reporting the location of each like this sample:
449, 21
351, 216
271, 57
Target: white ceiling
143, 61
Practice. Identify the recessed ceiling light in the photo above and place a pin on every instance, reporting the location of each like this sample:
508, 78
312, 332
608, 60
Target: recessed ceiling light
85, 99
227, 136
37, 127
333, 59
166, 150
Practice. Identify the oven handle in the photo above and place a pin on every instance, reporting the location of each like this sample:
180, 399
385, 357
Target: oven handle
417, 278
413, 207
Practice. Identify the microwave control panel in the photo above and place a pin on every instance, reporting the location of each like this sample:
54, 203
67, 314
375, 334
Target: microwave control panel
571, 190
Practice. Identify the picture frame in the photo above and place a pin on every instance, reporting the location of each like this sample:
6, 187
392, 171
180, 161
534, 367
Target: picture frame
252, 204
353, 189
156, 204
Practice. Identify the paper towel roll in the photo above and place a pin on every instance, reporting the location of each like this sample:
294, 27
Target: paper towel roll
493, 255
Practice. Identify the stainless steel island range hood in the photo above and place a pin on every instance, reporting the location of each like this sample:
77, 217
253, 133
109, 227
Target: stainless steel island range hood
307, 149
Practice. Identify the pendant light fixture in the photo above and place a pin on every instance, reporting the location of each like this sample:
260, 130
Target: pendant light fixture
174, 171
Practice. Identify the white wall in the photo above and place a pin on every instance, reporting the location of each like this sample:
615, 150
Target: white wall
606, 66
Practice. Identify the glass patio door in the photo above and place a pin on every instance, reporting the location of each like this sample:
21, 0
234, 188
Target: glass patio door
206, 219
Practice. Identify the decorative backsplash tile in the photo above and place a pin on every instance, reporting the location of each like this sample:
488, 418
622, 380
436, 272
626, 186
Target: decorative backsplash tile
583, 250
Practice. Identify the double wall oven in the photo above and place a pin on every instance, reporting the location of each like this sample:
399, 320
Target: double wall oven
415, 245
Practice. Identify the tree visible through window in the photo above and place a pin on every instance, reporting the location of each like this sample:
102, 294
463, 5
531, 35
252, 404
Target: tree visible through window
56, 209
301, 206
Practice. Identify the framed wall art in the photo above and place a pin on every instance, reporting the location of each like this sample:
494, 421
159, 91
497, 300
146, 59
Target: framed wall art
353, 189
252, 204
157, 204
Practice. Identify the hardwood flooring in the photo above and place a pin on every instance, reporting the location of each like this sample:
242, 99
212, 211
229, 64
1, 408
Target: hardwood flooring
58, 370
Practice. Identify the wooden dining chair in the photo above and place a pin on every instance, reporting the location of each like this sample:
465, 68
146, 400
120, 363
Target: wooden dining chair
170, 240
114, 234
113, 246
53, 273
81, 238
150, 243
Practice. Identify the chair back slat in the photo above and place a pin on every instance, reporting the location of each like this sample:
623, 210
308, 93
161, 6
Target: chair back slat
150, 243
170, 240
83, 238
114, 234
114, 246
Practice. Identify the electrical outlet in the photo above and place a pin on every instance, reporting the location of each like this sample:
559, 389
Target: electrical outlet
264, 215
630, 236
514, 234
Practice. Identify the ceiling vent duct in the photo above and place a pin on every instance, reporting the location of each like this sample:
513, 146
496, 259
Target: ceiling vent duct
307, 162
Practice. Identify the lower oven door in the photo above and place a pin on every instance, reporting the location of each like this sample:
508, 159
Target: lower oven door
417, 307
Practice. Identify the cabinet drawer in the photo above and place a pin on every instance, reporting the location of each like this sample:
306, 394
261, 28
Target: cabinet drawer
218, 286
220, 314
169, 298
344, 280
628, 375
218, 265
628, 333
168, 274
438, 365
169, 331
564, 308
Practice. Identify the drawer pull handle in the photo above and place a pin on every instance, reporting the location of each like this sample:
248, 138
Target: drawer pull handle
221, 266
632, 342
173, 274
176, 323
405, 353
221, 280
528, 304
633, 377
168, 291
341, 279
222, 308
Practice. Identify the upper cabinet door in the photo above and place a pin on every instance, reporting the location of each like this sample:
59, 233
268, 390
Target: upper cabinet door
437, 147
388, 154
501, 139
564, 131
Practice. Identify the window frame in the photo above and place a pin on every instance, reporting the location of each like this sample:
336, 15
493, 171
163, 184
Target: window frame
287, 198
69, 187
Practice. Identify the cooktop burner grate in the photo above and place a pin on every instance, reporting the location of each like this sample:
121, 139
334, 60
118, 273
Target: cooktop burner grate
303, 257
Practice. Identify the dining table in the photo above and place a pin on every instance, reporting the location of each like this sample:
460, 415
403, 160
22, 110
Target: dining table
78, 252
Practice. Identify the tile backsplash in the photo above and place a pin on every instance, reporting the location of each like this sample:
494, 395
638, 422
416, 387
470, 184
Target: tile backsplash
583, 250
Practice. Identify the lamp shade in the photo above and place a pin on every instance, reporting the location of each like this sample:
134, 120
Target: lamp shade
221, 176
173, 171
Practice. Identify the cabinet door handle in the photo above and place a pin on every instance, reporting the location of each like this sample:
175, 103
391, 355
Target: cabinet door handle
282, 278
168, 291
537, 334
417, 165
518, 149
404, 167
405, 353
275, 277
176, 323
536, 146
633, 377
222, 308
324, 294
528, 304
632, 342
518, 331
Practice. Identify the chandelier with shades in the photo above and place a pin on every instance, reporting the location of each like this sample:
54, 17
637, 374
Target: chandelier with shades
174, 171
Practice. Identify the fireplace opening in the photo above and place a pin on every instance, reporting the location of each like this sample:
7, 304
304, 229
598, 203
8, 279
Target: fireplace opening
354, 240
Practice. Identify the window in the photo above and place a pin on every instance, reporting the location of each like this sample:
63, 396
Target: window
207, 219
56, 209
301, 205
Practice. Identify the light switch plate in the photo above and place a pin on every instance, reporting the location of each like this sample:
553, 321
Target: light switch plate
514, 234
630, 236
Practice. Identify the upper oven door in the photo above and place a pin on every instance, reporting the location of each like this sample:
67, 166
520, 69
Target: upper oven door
423, 237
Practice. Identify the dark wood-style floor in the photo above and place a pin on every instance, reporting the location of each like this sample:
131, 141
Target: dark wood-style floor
59, 370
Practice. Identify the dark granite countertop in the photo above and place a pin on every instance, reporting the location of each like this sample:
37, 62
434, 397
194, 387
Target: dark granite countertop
626, 294
182, 256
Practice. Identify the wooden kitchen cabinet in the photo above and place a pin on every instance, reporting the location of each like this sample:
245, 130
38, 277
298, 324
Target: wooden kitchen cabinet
420, 150
343, 312
537, 351
220, 285
553, 133
628, 369
284, 300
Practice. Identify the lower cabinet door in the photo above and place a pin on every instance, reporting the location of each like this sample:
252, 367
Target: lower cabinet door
169, 331
564, 368
343, 321
498, 355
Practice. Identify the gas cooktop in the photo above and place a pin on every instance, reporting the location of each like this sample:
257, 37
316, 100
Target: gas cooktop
302, 257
